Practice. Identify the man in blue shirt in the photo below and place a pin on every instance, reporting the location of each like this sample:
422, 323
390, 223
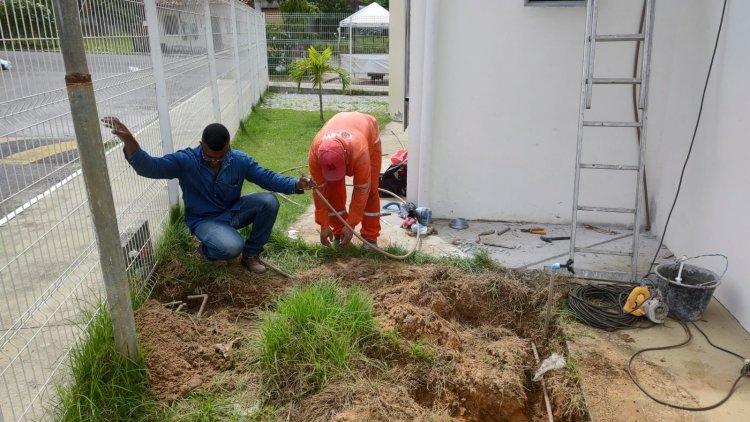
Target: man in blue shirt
211, 177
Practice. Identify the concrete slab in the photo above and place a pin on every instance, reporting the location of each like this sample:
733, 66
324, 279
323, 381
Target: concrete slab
694, 375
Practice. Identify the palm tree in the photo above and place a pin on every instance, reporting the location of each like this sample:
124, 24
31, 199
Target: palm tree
314, 66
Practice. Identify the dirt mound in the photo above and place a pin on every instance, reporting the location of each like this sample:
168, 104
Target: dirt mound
462, 348
483, 376
181, 353
480, 370
236, 288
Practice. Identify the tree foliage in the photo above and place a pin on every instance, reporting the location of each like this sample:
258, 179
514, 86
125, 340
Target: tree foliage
335, 6
346, 6
27, 19
297, 6
315, 66
383, 3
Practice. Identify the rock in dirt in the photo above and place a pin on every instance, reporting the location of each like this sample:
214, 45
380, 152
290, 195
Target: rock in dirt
194, 382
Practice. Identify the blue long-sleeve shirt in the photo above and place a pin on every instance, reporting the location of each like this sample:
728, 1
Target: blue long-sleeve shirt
208, 195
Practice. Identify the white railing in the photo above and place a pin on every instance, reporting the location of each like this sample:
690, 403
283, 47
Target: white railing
213, 68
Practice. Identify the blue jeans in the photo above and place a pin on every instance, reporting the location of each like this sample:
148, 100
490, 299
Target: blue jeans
222, 241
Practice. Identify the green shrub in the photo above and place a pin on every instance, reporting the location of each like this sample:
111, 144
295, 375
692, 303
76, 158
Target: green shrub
31, 23
314, 335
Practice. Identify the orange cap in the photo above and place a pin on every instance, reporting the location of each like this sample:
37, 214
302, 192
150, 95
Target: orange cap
332, 161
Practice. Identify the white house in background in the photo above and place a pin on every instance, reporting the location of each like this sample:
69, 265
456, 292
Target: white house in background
182, 26
494, 93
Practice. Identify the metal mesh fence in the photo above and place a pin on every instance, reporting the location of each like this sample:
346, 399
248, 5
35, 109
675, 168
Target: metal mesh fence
212, 68
358, 45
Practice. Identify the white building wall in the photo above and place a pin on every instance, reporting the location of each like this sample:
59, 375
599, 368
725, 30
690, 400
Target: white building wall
712, 209
396, 59
502, 131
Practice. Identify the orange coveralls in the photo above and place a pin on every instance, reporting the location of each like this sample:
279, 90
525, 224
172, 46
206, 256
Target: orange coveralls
358, 133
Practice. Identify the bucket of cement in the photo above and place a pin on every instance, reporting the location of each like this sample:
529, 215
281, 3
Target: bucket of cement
688, 298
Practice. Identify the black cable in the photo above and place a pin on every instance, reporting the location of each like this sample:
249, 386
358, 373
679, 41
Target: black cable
601, 306
715, 346
695, 131
689, 337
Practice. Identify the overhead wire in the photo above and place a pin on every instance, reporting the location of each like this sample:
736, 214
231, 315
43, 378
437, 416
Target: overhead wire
692, 141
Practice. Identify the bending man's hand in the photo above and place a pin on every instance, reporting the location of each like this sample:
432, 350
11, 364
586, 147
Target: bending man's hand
326, 236
346, 236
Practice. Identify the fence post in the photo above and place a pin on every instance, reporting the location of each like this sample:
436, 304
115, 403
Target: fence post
264, 56
351, 54
212, 62
250, 59
258, 45
94, 168
165, 126
235, 47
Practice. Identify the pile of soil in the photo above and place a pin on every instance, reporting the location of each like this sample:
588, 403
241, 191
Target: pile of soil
477, 328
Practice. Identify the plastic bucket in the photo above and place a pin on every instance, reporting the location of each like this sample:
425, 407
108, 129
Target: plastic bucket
687, 300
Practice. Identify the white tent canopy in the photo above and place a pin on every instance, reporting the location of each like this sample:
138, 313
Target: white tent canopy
372, 16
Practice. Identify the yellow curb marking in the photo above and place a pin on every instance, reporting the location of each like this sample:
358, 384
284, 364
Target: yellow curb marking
35, 154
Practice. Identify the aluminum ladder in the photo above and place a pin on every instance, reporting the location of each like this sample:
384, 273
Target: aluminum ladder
587, 82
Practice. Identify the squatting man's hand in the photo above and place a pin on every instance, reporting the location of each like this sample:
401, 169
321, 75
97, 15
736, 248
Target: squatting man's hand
305, 182
118, 128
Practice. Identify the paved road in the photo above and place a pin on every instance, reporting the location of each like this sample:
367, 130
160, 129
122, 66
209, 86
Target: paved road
37, 139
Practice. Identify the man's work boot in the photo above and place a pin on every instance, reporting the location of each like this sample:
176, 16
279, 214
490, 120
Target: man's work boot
253, 264
369, 244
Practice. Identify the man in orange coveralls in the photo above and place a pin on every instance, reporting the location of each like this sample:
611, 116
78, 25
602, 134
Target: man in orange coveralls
347, 145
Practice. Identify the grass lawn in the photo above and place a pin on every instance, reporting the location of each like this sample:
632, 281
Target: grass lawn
279, 140
123, 44
116, 44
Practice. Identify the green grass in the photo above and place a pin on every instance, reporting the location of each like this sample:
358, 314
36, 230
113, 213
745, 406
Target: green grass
104, 385
209, 406
116, 44
279, 140
574, 407
418, 350
121, 44
313, 335
296, 255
